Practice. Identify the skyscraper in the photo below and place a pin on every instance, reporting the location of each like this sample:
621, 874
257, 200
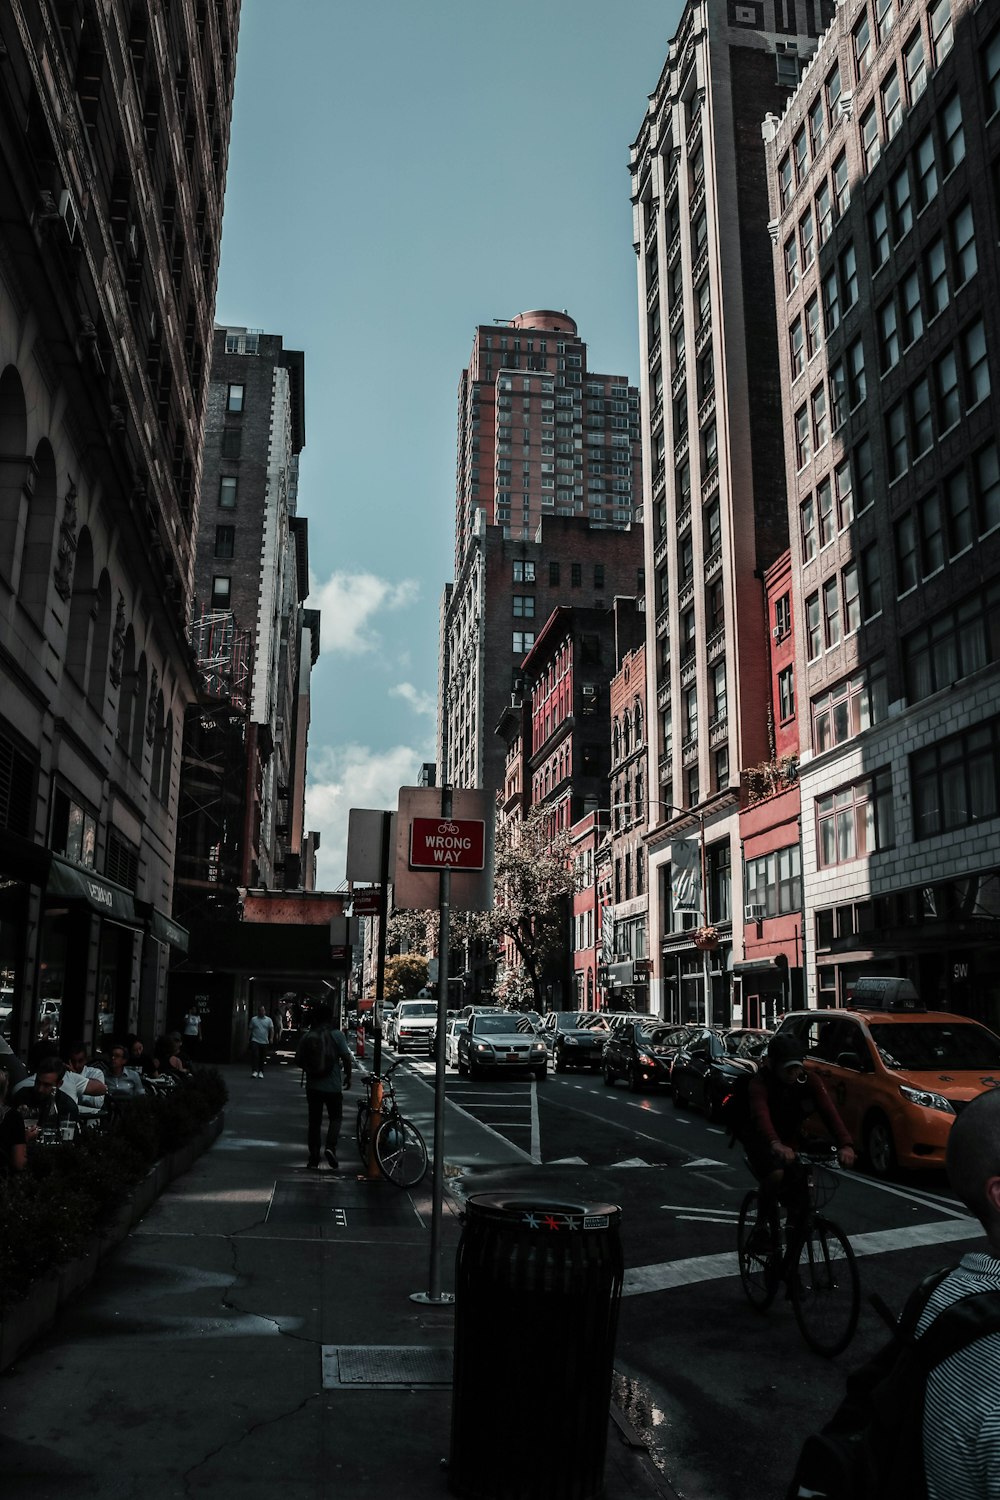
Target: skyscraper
713, 457
114, 131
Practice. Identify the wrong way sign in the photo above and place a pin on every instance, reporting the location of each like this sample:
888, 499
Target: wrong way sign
447, 844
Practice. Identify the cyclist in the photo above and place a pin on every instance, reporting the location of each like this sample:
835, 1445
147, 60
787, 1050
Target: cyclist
782, 1098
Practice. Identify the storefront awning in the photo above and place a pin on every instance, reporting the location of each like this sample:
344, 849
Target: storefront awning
766, 973
164, 928
76, 883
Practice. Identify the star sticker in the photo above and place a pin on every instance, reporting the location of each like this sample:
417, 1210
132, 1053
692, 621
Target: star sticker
531, 1221
551, 1222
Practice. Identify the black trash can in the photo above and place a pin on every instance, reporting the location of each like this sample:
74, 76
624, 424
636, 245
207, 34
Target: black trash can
537, 1288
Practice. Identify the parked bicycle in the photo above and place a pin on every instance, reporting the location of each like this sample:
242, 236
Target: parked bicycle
810, 1254
399, 1147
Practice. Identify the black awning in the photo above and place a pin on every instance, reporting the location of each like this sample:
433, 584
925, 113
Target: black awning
75, 882
767, 972
162, 927
22, 859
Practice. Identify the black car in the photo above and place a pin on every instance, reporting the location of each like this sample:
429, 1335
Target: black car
575, 1039
641, 1052
706, 1066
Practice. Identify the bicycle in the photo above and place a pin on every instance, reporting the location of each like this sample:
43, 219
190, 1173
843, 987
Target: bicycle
400, 1150
811, 1255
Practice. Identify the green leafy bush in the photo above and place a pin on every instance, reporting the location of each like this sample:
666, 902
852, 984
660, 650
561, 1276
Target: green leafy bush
50, 1211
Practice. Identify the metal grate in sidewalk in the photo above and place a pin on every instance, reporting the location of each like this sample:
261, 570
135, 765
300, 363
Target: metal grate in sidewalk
386, 1367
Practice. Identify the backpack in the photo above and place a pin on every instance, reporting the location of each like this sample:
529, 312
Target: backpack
873, 1448
734, 1111
316, 1055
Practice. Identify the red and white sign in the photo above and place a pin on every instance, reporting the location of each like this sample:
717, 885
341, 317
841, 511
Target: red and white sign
367, 902
447, 844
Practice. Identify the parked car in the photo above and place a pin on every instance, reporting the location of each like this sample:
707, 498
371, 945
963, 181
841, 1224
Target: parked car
413, 1025
456, 1026
640, 1052
898, 1077
708, 1063
574, 1040
500, 1040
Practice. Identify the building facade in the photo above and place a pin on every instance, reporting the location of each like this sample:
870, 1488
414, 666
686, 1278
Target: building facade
624, 909
883, 172
713, 461
243, 778
114, 130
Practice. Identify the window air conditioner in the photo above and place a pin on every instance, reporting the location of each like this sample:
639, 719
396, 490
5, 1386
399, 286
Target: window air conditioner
753, 911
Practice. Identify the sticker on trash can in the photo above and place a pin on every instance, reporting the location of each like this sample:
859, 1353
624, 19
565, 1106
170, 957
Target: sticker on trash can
596, 1221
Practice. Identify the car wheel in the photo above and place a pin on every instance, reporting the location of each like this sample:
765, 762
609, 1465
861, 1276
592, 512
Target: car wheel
609, 1077
880, 1148
473, 1069
632, 1078
560, 1063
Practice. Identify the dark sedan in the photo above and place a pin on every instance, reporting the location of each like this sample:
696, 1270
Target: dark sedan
705, 1067
575, 1038
641, 1052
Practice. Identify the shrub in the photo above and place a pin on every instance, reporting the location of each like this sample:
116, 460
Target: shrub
50, 1211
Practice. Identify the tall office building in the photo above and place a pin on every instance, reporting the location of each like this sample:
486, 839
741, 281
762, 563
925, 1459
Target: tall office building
114, 131
548, 486
714, 481
884, 169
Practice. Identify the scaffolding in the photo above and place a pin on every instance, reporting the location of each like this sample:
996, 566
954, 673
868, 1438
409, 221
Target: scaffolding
212, 812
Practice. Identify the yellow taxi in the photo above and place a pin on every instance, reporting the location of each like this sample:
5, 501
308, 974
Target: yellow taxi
898, 1074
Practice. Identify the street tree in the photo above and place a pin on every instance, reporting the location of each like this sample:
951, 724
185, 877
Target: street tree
405, 976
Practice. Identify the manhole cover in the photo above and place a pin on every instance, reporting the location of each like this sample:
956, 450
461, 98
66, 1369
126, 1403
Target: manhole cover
385, 1366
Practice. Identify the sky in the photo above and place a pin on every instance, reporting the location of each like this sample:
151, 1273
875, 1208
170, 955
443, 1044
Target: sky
399, 172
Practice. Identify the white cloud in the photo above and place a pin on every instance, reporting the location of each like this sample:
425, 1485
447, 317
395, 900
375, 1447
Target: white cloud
421, 703
351, 604
346, 776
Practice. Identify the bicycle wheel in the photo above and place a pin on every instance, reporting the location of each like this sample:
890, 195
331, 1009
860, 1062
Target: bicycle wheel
825, 1289
363, 1128
758, 1254
400, 1152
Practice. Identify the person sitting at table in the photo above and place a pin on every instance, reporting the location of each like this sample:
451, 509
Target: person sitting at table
13, 1133
138, 1058
40, 1095
123, 1082
90, 1101
170, 1056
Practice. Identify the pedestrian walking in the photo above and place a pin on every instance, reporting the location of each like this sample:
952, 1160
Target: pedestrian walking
261, 1037
192, 1034
325, 1058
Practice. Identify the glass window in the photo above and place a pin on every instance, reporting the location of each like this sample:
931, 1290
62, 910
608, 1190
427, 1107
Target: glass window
878, 234
955, 783
221, 588
786, 693
847, 709
227, 491
800, 154
915, 67
522, 641
941, 33
902, 204
897, 452
883, 20
987, 471
833, 91
824, 502
906, 554
824, 211
820, 420
807, 524
234, 397
952, 133
946, 383
888, 335
909, 297
817, 124
855, 821
841, 185
785, 180
803, 437
791, 264
925, 163
958, 512
797, 348
871, 581
812, 326
814, 634
831, 301
845, 494
807, 239
849, 276
931, 535
225, 541
936, 276
920, 416
524, 572
975, 364
838, 395
862, 40
831, 612
892, 104
991, 67
524, 606
871, 145
856, 385
864, 475
963, 245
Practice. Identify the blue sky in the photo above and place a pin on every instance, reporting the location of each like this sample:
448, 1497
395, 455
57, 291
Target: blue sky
400, 171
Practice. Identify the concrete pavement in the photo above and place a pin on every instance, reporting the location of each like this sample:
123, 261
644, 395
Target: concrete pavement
256, 1331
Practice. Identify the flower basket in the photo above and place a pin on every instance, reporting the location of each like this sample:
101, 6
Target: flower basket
706, 939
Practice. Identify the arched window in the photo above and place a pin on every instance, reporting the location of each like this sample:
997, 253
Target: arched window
626, 734
97, 677
637, 719
617, 741
81, 610
168, 758
159, 736
14, 467
39, 536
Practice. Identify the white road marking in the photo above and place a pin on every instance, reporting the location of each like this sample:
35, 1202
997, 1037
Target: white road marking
536, 1136
705, 1219
686, 1208
633, 1161
914, 1195
567, 1161
702, 1161
669, 1274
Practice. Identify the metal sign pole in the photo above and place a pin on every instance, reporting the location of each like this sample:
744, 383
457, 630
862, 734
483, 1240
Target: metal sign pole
435, 1296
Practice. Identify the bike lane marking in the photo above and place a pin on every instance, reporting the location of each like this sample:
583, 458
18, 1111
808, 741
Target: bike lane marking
673, 1273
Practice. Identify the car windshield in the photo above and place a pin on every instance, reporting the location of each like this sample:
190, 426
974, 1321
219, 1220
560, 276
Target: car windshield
574, 1020
494, 1025
928, 1046
656, 1036
425, 1008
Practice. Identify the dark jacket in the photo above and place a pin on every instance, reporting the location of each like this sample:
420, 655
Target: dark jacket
779, 1111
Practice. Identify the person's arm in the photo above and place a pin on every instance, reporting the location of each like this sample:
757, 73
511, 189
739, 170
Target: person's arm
345, 1053
94, 1086
760, 1112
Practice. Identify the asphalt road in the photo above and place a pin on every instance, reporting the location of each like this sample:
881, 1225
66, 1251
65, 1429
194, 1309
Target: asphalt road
723, 1394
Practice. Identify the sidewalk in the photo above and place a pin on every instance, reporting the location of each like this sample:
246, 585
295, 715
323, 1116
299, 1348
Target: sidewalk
256, 1330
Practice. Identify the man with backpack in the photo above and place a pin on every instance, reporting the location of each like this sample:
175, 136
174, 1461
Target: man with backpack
322, 1054
921, 1419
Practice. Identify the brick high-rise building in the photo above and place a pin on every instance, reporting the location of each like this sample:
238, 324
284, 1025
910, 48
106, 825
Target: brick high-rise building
713, 459
540, 434
114, 132
884, 170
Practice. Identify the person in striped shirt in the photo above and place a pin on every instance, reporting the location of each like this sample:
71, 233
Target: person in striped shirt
962, 1402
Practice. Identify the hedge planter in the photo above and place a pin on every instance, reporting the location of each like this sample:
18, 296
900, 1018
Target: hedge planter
22, 1322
